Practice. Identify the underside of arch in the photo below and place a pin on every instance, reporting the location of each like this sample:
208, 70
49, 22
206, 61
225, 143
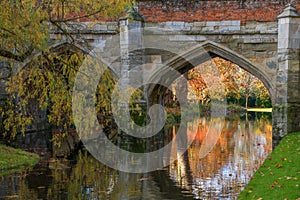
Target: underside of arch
204, 52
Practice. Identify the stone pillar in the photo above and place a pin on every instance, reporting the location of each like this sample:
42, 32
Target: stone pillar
131, 48
131, 43
4, 76
286, 111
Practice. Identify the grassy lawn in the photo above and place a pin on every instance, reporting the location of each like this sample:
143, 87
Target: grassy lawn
259, 109
12, 160
279, 176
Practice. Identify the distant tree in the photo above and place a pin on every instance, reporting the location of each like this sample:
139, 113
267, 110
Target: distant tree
250, 86
263, 97
198, 85
205, 80
237, 84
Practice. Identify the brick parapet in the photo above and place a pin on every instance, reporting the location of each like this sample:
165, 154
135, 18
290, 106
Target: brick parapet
212, 10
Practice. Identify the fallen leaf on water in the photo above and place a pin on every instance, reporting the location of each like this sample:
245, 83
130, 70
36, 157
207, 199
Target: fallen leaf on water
143, 179
278, 165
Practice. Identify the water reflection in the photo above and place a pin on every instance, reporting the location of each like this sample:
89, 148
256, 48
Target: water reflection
241, 148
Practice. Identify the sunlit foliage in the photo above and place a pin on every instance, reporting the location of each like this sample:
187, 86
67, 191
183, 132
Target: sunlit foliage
49, 85
237, 85
45, 84
24, 24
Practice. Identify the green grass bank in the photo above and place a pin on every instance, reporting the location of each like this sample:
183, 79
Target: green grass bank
279, 175
259, 109
12, 160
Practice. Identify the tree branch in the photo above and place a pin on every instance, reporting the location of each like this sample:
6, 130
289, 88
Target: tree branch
20, 58
63, 30
82, 16
6, 30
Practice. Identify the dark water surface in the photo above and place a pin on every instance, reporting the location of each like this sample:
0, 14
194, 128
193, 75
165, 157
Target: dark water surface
220, 172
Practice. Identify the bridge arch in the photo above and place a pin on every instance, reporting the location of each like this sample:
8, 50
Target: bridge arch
204, 52
61, 47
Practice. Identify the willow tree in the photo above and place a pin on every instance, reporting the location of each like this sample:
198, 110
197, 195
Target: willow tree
47, 80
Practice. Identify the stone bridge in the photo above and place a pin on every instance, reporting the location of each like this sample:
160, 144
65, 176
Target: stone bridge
262, 37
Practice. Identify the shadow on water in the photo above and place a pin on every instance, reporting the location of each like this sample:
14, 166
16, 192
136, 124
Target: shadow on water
243, 144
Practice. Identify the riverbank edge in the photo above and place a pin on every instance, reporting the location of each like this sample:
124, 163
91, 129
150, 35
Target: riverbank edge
13, 160
279, 175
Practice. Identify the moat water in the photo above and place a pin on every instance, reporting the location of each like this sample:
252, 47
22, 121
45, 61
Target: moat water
243, 144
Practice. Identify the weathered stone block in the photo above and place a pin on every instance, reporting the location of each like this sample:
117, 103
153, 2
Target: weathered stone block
197, 23
208, 28
200, 38
176, 23
213, 23
230, 23
182, 38
189, 24
229, 28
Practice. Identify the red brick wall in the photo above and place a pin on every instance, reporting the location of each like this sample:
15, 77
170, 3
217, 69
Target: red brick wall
212, 10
